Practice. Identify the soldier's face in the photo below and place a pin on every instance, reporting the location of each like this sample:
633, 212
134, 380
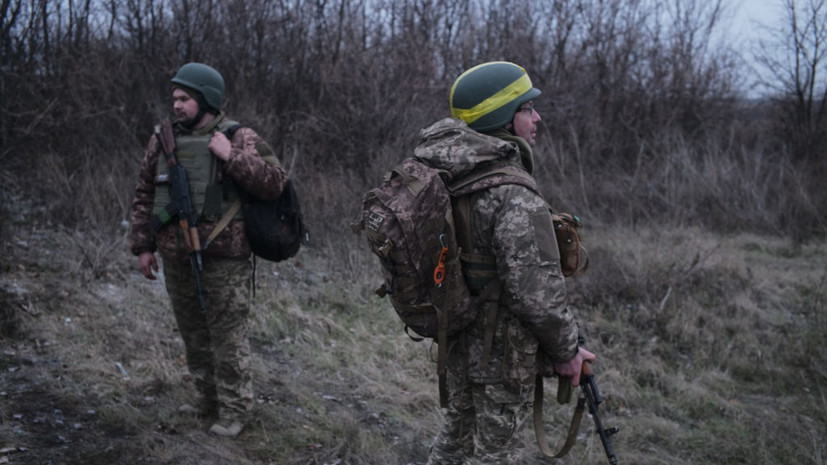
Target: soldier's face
525, 122
184, 106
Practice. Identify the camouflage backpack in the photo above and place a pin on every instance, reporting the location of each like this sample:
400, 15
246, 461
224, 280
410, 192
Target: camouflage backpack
410, 226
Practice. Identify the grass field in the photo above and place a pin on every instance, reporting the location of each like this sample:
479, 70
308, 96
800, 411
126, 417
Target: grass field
711, 350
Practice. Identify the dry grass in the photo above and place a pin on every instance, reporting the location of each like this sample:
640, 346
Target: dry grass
710, 346
710, 352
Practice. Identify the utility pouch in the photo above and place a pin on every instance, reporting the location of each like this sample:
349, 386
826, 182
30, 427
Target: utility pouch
164, 216
574, 258
212, 202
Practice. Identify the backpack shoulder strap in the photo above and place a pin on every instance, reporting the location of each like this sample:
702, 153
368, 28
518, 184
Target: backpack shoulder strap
478, 268
463, 189
229, 128
490, 176
232, 127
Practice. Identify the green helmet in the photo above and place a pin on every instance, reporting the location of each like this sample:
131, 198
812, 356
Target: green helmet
488, 95
204, 80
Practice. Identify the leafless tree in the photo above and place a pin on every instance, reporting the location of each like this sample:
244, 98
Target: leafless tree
341, 87
797, 63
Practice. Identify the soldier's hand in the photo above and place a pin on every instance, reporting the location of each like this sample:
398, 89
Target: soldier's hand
574, 367
220, 146
148, 264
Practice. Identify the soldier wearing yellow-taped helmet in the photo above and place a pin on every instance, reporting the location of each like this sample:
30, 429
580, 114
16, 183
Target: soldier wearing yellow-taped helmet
510, 256
488, 95
497, 98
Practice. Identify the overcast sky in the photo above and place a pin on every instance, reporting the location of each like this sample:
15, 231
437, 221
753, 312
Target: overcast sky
747, 14
750, 18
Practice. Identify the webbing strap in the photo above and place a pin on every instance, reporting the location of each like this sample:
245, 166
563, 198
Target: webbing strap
539, 430
462, 221
491, 306
442, 358
483, 269
442, 333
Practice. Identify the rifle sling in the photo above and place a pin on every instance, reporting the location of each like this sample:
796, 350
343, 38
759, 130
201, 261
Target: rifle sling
539, 431
223, 222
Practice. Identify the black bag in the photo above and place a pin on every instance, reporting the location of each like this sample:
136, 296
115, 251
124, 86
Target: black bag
275, 229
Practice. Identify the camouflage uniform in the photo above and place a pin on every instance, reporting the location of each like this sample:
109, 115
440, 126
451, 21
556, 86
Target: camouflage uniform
217, 344
489, 405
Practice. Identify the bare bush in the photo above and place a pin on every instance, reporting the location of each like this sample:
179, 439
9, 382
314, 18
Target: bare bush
640, 117
795, 57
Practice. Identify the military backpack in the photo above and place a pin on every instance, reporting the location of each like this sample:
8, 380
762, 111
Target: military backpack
411, 226
275, 228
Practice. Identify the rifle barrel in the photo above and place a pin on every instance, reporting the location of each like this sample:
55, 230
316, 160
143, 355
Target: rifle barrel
592, 395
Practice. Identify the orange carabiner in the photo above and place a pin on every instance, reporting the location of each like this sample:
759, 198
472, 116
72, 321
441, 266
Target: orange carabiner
439, 271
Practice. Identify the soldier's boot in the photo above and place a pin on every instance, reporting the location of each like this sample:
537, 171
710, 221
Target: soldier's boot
202, 408
227, 429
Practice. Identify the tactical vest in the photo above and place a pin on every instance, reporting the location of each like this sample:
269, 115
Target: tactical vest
211, 195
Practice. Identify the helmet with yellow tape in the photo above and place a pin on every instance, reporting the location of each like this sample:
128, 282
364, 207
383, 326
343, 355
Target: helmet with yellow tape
488, 95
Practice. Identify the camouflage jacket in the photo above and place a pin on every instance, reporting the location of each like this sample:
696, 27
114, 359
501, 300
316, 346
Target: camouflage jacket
247, 169
513, 224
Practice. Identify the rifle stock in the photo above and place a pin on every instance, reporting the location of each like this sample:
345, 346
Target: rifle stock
187, 216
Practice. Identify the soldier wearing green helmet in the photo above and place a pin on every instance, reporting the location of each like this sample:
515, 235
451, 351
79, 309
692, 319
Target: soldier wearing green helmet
224, 162
203, 79
492, 365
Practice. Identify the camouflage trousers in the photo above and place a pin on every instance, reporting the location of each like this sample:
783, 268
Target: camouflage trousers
217, 342
483, 422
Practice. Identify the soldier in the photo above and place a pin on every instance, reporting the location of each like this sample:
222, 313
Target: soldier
219, 169
490, 386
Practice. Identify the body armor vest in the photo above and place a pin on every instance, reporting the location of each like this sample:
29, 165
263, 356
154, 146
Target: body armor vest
211, 193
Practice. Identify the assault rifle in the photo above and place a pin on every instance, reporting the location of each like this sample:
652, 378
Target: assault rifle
181, 205
590, 396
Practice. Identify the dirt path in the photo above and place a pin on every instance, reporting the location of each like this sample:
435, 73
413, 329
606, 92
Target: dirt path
92, 372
